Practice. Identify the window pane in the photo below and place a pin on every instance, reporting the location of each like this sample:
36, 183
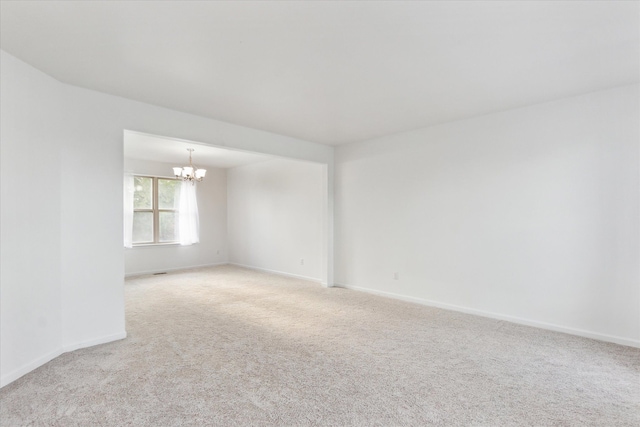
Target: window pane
143, 194
142, 227
168, 226
167, 196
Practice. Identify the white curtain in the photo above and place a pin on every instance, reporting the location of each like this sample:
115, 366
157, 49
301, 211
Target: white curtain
128, 191
188, 223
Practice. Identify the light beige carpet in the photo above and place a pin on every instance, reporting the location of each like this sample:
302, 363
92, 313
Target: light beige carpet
228, 346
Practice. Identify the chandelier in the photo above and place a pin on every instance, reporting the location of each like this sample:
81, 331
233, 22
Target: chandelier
190, 173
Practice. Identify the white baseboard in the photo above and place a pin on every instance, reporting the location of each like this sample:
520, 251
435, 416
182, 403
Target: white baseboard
527, 322
281, 273
28, 367
163, 270
96, 341
35, 364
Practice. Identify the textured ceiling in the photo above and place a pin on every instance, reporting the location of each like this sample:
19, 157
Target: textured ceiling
330, 72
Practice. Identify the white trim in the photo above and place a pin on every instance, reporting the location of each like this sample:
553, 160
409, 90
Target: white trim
152, 176
152, 245
28, 367
96, 341
535, 323
281, 273
164, 270
35, 364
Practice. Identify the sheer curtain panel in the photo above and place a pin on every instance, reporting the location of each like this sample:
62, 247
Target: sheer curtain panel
189, 225
128, 191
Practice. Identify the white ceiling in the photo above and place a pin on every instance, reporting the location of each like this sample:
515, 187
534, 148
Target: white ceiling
174, 151
331, 72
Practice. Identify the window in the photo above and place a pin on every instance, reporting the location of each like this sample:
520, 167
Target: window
155, 210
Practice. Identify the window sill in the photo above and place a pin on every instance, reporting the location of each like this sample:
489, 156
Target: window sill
153, 245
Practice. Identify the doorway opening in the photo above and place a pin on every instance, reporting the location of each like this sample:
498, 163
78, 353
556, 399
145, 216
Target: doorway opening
255, 210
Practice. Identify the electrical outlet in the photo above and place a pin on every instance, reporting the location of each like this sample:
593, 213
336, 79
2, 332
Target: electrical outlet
301, 261
396, 276
218, 252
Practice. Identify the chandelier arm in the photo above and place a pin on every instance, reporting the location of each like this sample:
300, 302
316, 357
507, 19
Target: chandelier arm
193, 176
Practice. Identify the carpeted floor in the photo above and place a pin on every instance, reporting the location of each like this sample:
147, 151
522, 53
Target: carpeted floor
228, 346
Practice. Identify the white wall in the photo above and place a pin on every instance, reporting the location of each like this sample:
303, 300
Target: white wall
30, 139
276, 217
530, 215
62, 272
212, 209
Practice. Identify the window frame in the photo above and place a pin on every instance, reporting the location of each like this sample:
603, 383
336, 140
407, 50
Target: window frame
155, 210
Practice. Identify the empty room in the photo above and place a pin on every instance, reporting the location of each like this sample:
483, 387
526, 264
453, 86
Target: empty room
320, 213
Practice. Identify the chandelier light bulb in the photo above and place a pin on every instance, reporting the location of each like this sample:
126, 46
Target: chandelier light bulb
189, 173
